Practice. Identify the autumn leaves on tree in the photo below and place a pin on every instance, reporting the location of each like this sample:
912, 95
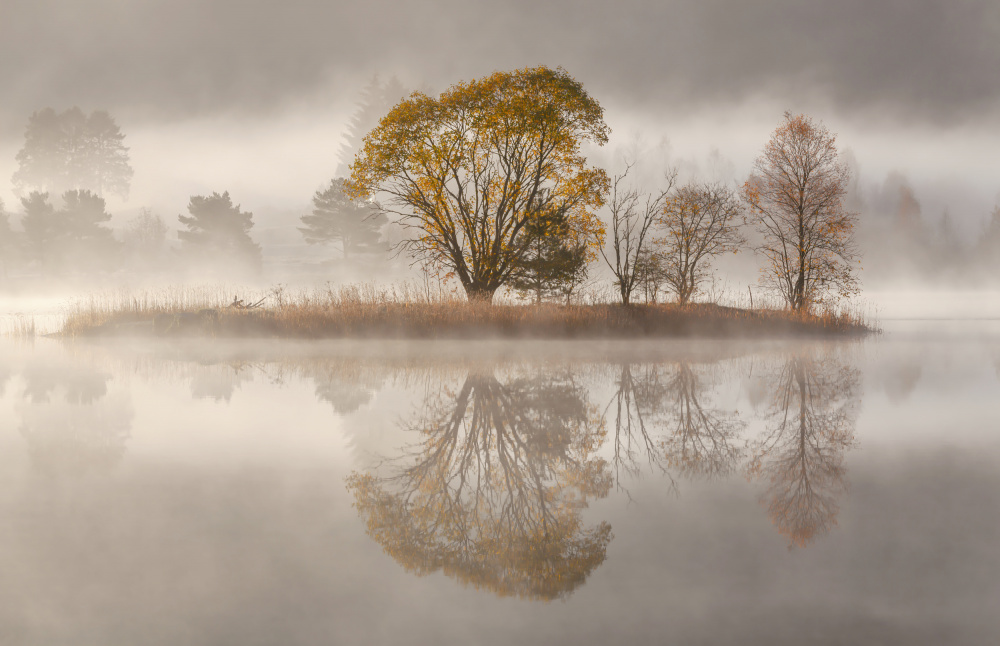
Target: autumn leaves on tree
470, 172
491, 182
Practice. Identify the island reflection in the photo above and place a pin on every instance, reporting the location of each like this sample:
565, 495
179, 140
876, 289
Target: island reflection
491, 489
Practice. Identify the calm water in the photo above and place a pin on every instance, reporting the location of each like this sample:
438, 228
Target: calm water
467, 493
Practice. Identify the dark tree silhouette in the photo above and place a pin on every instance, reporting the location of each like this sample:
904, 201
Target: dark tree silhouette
633, 216
218, 231
355, 225
492, 492
802, 454
71, 238
70, 150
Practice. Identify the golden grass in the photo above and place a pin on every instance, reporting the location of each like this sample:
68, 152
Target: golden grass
367, 311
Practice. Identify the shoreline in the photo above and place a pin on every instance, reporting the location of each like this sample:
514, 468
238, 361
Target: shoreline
463, 320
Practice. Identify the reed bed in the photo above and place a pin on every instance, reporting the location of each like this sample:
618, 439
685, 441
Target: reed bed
369, 311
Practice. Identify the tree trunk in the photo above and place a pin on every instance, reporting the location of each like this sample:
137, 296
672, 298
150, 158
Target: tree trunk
479, 293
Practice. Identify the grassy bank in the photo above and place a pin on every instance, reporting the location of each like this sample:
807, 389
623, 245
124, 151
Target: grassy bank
371, 313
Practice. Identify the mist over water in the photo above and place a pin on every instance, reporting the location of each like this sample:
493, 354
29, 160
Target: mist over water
429, 492
163, 160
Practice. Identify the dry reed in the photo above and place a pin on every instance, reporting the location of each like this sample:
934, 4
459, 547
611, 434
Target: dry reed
402, 311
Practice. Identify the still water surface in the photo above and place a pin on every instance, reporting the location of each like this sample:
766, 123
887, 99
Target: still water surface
432, 493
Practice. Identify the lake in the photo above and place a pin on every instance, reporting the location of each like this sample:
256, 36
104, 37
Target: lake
690, 492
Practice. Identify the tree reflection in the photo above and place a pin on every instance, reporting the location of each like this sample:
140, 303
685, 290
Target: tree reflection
492, 493
70, 422
801, 456
639, 397
701, 439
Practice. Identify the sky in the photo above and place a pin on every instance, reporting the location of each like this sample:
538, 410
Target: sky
253, 97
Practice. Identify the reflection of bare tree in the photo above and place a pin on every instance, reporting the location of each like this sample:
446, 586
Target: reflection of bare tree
660, 419
701, 442
492, 492
802, 454
638, 399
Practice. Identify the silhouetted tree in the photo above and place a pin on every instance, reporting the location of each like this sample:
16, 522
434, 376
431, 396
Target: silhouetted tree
70, 150
219, 232
554, 262
796, 197
355, 225
633, 215
40, 225
492, 493
73, 237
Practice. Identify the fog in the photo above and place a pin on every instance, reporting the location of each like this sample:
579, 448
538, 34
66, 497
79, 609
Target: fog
257, 99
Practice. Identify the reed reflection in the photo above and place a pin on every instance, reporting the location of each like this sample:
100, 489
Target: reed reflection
810, 427
492, 492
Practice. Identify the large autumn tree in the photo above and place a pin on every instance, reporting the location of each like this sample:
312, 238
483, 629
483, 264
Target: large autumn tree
468, 171
492, 492
796, 196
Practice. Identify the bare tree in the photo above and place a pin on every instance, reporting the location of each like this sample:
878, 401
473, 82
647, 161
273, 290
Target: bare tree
796, 196
633, 214
700, 221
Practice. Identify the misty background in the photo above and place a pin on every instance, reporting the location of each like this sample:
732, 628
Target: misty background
265, 102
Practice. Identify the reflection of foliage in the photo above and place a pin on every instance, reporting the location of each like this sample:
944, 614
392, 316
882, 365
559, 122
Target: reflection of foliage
71, 424
77, 439
702, 439
493, 493
802, 455
346, 385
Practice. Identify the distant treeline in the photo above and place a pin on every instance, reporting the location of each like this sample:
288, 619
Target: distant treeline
657, 245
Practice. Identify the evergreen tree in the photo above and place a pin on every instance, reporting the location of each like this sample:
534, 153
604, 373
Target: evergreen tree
217, 231
71, 150
71, 238
353, 224
40, 225
554, 263
376, 100
8, 243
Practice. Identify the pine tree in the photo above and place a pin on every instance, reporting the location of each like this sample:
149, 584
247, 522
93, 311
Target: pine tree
554, 263
218, 231
353, 224
376, 100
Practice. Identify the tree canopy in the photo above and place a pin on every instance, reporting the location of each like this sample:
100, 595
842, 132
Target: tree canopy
72, 150
217, 230
336, 217
796, 197
467, 171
